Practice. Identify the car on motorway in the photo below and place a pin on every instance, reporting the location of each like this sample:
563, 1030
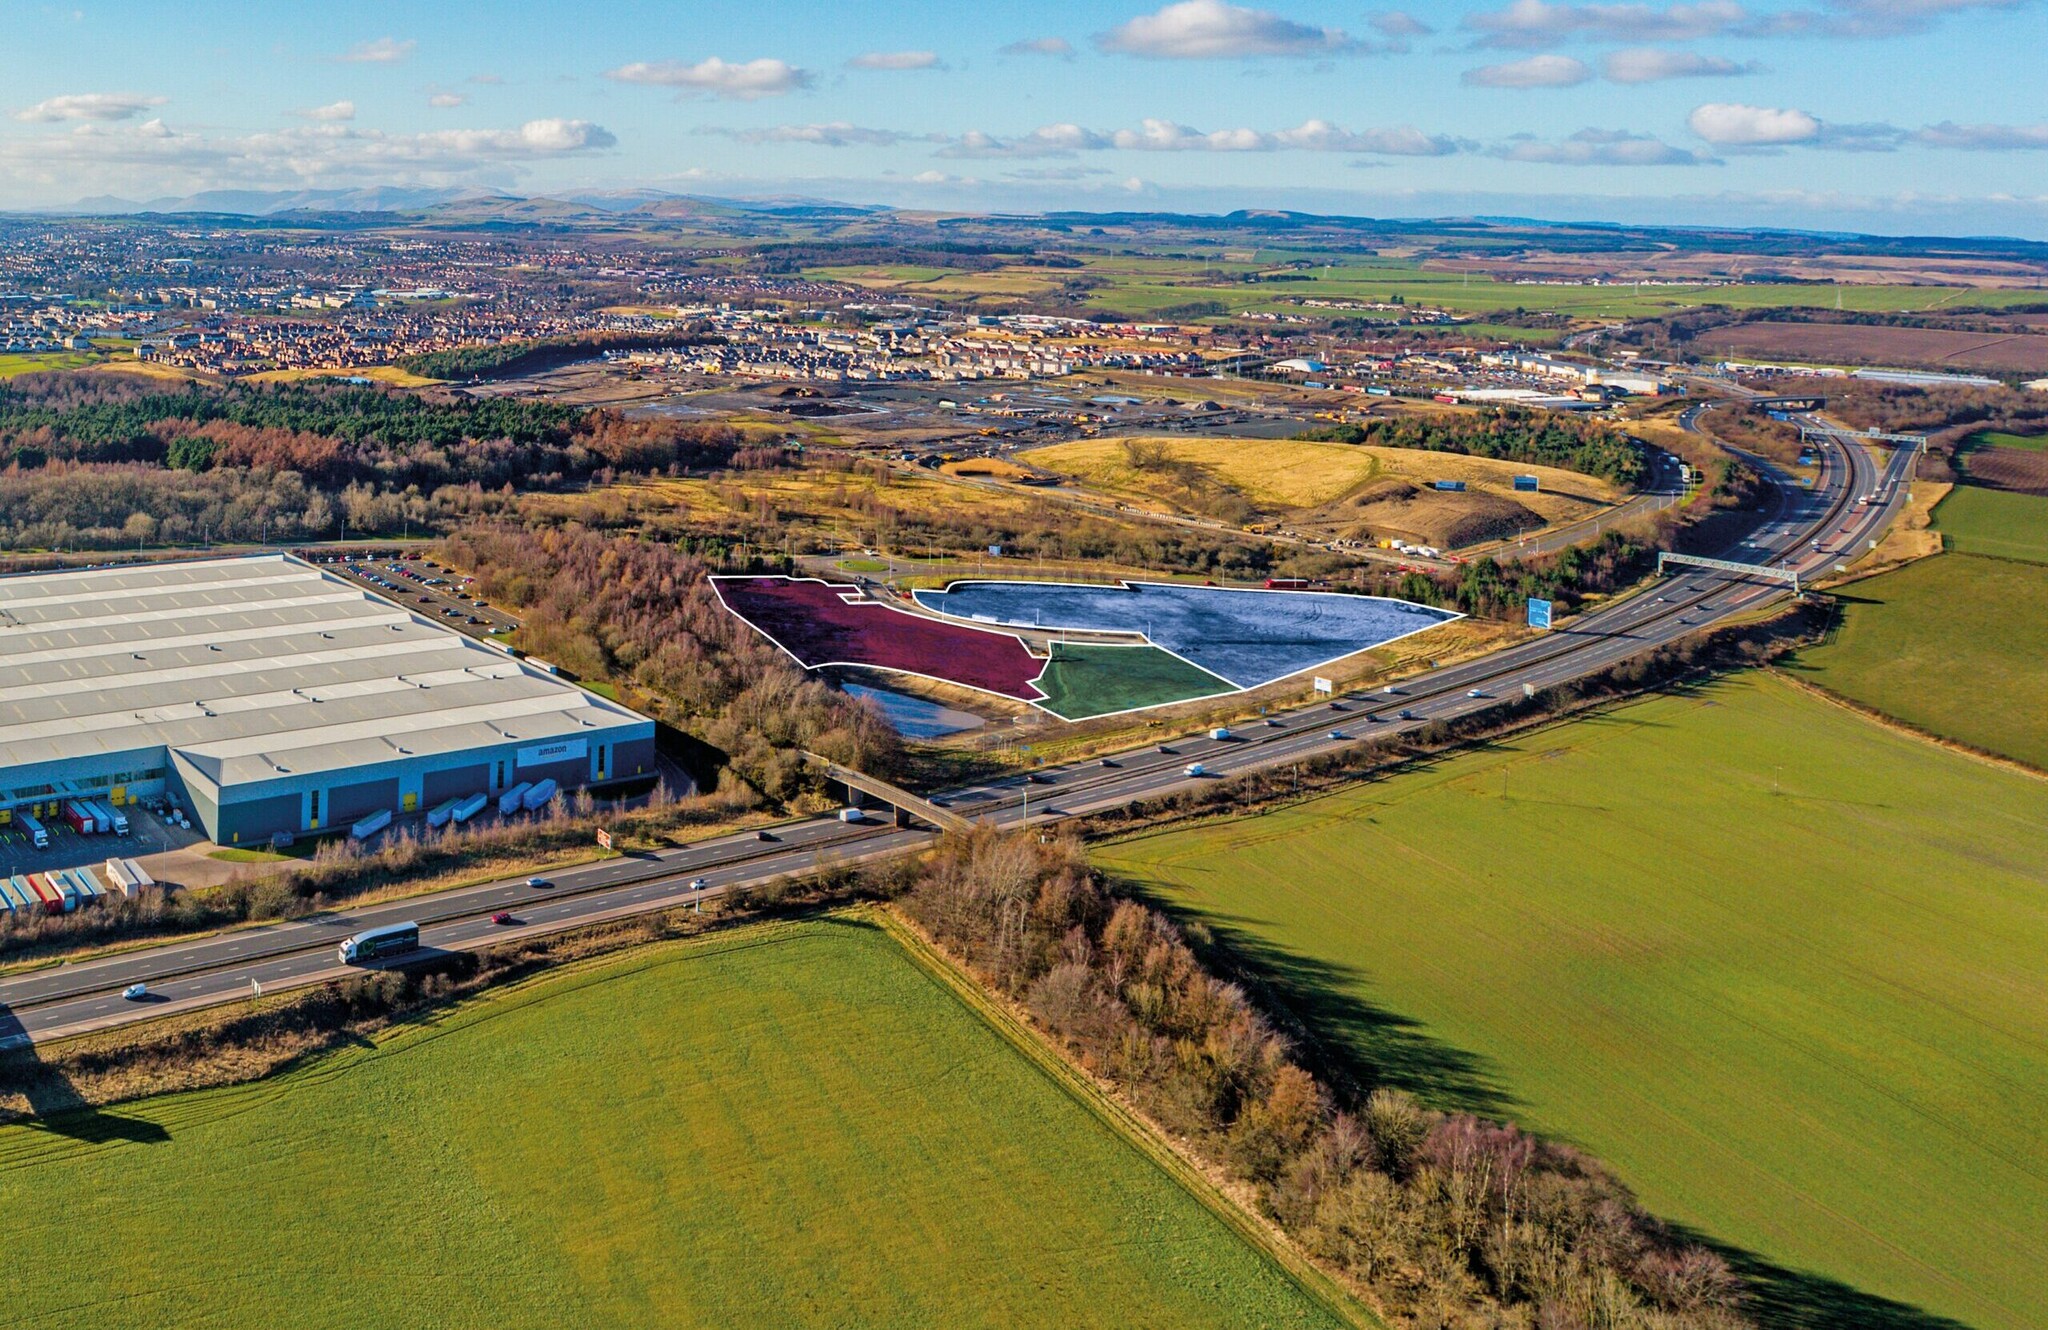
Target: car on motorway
135, 992
502, 918
697, 884
1109, 762
1475, 692
1406, 714
1194, 769
538, 882
1338, 735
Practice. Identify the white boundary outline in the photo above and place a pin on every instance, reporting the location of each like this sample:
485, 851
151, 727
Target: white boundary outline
1148, 644
1450, 616
860, 597
865, 599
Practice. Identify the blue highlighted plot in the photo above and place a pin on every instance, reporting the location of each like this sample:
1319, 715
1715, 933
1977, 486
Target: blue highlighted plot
1247, 637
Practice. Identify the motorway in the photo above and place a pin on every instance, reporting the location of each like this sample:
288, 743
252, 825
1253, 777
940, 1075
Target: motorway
1808, 531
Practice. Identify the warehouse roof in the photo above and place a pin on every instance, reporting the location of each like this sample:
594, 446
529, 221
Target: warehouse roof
256, 668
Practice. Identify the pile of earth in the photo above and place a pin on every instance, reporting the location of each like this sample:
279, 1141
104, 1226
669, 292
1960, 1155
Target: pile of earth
1446, 519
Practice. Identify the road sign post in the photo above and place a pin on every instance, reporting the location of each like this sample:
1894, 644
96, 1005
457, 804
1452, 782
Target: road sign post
604, 838
1539, 613
1324, 687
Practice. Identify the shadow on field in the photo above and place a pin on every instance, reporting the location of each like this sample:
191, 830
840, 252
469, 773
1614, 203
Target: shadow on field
56, 1107
1353, 1044
1802, 1300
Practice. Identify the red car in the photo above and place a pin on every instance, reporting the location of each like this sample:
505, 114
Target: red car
502, 917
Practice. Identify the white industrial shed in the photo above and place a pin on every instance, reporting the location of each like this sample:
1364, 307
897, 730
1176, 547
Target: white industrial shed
274, 697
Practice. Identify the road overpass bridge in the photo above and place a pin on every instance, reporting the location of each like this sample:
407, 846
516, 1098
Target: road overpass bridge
902, 802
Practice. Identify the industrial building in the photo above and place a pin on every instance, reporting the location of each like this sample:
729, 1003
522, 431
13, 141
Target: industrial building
269, 696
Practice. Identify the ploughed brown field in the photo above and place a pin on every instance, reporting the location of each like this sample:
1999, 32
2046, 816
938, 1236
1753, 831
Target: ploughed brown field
2021, 469
1848, 343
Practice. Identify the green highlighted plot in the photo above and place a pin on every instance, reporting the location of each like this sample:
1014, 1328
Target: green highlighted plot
794, 1126
1089, 679
1956, 645
1779, 966
2003, 523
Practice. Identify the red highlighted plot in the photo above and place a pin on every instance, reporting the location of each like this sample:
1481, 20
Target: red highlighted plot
820, 623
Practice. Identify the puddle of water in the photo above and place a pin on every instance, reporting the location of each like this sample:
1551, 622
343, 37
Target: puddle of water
915, 718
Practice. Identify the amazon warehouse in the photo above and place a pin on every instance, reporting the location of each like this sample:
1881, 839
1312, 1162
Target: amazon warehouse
269, 696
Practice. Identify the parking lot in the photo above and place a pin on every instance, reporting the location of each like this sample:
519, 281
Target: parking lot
173, 855
426, 588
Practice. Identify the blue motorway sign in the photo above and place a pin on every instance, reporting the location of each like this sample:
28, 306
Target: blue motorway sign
1539, 613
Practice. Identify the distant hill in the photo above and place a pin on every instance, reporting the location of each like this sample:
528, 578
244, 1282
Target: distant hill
1464, 238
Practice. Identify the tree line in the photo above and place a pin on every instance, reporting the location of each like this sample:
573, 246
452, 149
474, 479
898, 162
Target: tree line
1533, 438
1447, 1219
105, 460
643, 616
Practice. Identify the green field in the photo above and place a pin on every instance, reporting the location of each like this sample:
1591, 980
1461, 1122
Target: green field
1143, 286
1086, 680
1956, 645
1779, 966
2009, 525
1991, 438
794, 1126
22, 362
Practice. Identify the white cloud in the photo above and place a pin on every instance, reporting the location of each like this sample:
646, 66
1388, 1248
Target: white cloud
1539, 23
1599, 147
1647, 64
309, 154
89, 106
1396, 23
1160, 135
1524, 23
1983, 138
1734, 125
895, 60
1214, 30
1058, 47
1871, 18
382, 51
333, 112
446, 101
743, 81
836, 134
1538, 71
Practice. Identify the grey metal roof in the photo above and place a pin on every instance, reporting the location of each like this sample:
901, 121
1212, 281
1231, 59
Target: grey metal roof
254, 668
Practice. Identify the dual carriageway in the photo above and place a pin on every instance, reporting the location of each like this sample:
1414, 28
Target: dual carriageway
1808, 531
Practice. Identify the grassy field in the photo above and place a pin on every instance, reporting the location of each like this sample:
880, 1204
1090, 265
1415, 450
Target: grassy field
1145, 286
1992, 438
1778, 965
391, 374
1976, 520
1087, 679
794, 1126
1285, 475
21, 362
1955, 645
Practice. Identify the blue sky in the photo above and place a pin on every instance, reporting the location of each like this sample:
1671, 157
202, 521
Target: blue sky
1885, 115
